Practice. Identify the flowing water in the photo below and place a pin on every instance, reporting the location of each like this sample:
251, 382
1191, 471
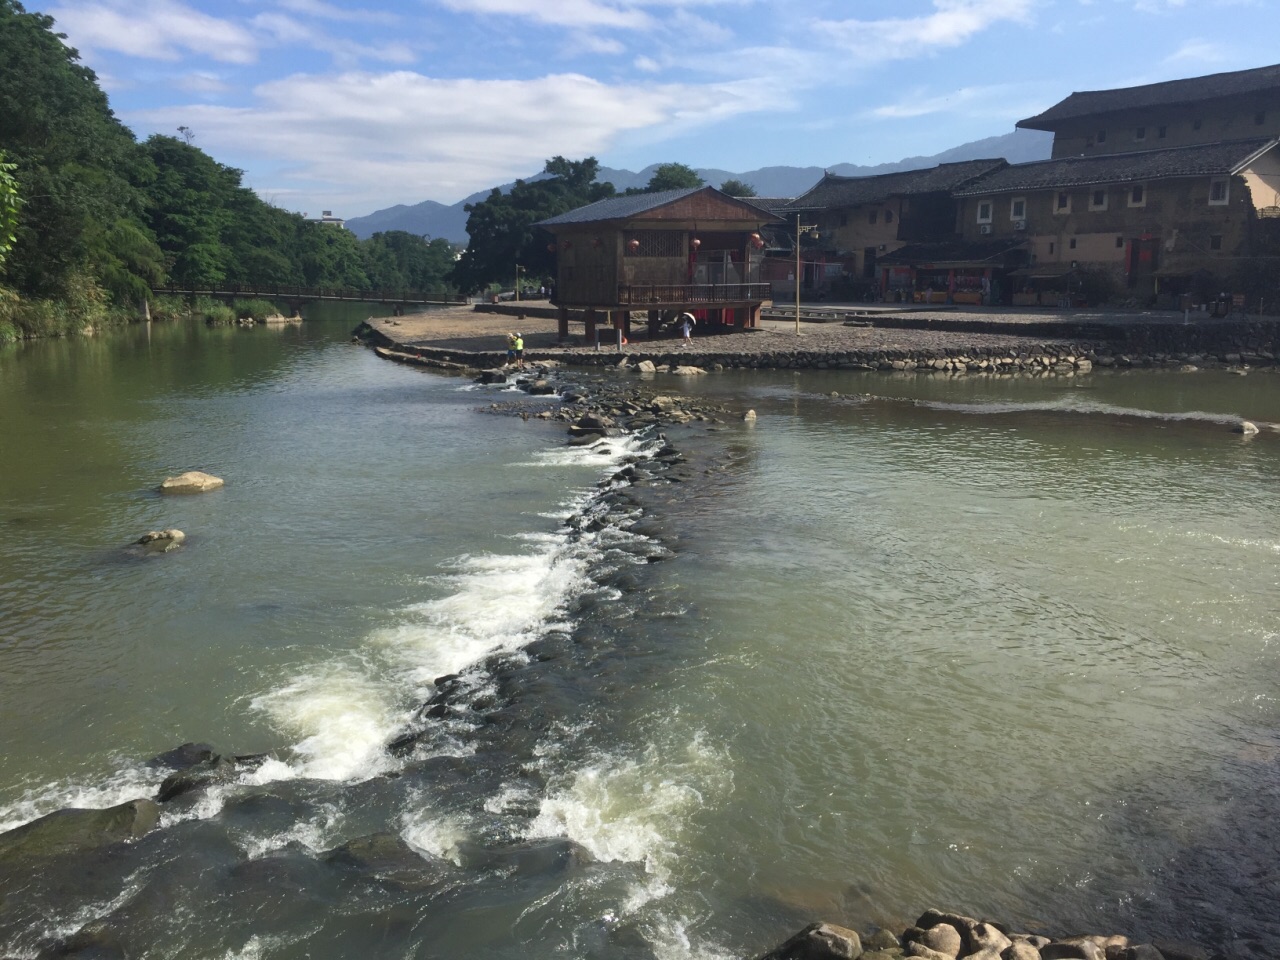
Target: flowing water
1002, 646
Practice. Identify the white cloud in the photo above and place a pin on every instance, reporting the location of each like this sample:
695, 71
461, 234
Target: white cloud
329, 11
288, 31
379, 138
203, 82
1199, 51
953, 23
154, 29
566, 13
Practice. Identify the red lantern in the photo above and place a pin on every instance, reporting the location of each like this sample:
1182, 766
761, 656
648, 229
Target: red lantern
551, 248
566, 244
695, 243
633, 246
757, 241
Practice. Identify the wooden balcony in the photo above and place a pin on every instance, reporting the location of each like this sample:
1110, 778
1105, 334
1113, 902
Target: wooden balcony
655, 295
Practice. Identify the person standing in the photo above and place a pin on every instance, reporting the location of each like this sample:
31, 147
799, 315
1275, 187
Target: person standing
686, 327
519, 344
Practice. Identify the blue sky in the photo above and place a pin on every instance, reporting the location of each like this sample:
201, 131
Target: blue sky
355, 105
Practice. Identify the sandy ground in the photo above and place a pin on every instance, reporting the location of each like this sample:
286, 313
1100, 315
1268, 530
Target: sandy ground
461, 328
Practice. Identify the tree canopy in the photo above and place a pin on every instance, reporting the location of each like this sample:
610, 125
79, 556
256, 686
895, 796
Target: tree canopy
673, 176
500, 227
738, 188
109, 218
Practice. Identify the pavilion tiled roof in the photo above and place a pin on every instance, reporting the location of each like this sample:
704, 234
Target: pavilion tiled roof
834, 191
627, 206
1202, 160
1170, 93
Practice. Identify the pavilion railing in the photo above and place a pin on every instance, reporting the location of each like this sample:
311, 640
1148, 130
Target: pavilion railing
639, 294
284, 291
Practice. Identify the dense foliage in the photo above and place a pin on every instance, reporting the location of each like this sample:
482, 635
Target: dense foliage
103, 219
738, 188
501, 231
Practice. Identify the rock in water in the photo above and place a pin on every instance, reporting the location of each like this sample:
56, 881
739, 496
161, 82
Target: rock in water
193, 481
687, 371
72, 830
749, 415
1246, 427
645, 366
819, 941
162, 541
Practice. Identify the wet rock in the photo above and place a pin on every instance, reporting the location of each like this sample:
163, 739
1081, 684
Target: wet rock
819, 941
687, 371
216, 769
162, 541
646, 366
749, 416
193, 481
73, 830
881, 940
1077, 948
1245, 427
539, 388
943, 938
492, 376
986, 936
386, 856
1142, 951
528, 858
184, 756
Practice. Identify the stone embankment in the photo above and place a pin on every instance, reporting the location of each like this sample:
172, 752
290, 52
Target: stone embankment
938, 935
993, 350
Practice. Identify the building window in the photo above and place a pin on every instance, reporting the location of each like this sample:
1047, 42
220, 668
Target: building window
653, 243
984, 211
1137, 195
1051, 248
1102, 136
1219, 191
1062, 204
871, 217
1072, 243
1259, 118
1161, 132
1140, 133
888, 216
1098, 200
1018, 208
1119, 243
1195, 124
1215, 242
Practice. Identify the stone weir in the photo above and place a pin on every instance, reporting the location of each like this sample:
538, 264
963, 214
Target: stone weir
1233, 345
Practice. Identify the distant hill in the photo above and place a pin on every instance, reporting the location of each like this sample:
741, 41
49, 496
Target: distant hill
450, 222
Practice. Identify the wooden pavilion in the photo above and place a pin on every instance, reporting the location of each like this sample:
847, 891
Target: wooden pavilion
696, 250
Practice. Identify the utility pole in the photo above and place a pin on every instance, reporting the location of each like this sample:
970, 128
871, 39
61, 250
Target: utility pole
800, 228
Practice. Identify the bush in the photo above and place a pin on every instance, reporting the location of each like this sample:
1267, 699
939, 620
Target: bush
255, 309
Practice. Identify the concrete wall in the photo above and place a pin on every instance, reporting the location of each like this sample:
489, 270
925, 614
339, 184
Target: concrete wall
1231, 119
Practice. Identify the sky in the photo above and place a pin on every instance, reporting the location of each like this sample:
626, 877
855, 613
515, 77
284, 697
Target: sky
357, 105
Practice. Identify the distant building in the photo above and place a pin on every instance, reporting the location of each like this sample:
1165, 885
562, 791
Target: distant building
697, 250
327, 216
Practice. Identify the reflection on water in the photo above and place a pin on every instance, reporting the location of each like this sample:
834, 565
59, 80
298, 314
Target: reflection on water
1005, 646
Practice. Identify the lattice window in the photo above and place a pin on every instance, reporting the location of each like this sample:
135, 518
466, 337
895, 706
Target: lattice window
654, 243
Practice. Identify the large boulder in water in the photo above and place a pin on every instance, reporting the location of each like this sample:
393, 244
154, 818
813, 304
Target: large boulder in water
217, 769
183, 756
819, 941
74, 830
193, 481
162, 541
386, 856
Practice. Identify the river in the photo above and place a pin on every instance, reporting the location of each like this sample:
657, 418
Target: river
1001, 646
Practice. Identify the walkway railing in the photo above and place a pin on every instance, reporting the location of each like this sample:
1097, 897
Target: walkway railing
282, 291
640, 294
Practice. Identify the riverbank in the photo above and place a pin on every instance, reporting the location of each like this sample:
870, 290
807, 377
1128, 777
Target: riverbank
1006, 344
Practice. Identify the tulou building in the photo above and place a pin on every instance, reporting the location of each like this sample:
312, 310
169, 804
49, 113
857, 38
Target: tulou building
1151, 193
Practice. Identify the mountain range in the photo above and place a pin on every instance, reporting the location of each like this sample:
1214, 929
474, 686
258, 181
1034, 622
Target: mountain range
433, 219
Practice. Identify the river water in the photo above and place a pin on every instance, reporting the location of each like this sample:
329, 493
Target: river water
1007, 647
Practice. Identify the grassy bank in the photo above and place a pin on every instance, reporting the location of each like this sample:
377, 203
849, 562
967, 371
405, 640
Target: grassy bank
85, 308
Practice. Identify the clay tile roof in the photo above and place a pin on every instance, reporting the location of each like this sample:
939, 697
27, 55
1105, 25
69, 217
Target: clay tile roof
1203, 160
833, 191
627, 206
1170, 93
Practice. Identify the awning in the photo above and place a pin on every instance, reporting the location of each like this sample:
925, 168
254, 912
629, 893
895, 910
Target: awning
1032, 273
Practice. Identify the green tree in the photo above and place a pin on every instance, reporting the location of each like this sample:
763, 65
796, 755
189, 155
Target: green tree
9, 202
673, 176
78, 165
500, 227
738, 188
398, 260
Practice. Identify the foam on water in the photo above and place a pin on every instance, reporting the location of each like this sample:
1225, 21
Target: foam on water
434, 834
127, 783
